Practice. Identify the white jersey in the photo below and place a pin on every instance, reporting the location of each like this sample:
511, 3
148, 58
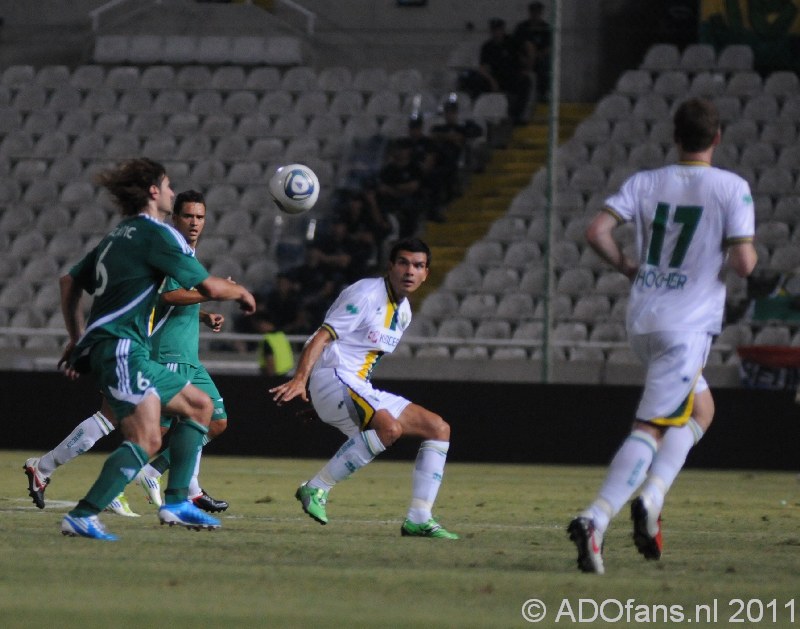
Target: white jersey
685, 214
366, 322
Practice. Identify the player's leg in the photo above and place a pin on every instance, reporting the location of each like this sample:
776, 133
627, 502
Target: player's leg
691, 352
219, 423
129, 381
149, 477
416, 421
194, 408
119, 468
197, 494
82, 438
348, 410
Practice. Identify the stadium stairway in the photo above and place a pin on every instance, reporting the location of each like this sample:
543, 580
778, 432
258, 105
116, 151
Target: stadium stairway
489, 193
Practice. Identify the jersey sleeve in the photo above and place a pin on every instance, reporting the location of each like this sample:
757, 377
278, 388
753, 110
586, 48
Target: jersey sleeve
622, 205
346, 312
170, 284
740, 219
171, 255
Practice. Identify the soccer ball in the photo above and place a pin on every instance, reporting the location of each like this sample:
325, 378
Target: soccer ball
294, 188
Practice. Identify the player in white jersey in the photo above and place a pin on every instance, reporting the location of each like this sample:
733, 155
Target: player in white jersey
365, 322
692, 220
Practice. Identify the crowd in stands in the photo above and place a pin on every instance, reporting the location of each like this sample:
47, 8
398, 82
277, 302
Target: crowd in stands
516, 63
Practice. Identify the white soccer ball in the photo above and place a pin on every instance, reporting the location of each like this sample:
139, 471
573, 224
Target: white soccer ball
294, 188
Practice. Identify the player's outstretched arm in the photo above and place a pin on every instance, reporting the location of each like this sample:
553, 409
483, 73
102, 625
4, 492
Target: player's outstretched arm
220, 289
308, 358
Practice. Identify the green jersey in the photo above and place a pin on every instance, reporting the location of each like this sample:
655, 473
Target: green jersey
124, 272
176, 330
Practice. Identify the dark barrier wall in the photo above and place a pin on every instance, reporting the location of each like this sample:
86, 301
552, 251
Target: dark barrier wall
511, 423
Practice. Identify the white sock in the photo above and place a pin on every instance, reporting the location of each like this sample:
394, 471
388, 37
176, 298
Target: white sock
354, 454
85, 435
669, 461
626, 472
194, 484
427, 478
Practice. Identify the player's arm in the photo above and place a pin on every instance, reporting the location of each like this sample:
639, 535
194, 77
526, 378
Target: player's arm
600, 238
220, 289
71, 293
312, 350
742, 258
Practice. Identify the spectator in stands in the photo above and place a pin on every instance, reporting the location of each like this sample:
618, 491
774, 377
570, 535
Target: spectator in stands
454, 139
398, 188
503, 68
427, 154
338, 254
697, 223
365, 221
534, 39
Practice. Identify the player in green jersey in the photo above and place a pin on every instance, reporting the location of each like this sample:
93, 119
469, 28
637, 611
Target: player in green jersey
175, 344
123, 274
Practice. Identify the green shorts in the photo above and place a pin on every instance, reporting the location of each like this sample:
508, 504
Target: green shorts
200, 378
126, 374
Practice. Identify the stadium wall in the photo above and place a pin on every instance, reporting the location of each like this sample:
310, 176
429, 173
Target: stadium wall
491, 422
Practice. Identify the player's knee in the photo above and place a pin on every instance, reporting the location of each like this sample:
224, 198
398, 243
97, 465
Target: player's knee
440, 429
217, 427
389, 432
204, 409
151, 442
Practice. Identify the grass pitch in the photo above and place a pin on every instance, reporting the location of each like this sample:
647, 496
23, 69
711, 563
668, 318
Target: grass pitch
728, 535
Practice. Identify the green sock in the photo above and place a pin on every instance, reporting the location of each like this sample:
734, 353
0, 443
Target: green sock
119, 469
161, 462
185, 444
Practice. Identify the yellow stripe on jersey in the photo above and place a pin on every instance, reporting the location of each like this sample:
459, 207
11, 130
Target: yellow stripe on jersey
680, 415
364, 410
369, 362
738, 240
330, 330
614, 214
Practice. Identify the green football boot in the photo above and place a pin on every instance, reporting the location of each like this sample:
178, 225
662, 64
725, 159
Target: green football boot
431, 528
313, 500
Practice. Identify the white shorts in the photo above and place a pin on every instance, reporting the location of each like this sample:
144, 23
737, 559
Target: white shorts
347, 402
674, 362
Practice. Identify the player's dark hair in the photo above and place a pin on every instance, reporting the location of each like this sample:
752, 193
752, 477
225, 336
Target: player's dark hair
129, 183
696, 124
188, 196
413, 245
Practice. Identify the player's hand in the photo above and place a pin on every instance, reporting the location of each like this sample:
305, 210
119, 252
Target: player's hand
247, 303
288, 391
63, 362
215, 321
629, 268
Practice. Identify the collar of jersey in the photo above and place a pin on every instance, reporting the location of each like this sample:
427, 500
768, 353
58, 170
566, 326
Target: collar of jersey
694, 163
390, 292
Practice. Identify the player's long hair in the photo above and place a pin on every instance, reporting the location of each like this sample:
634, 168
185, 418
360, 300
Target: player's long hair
129, 183
414, 245
696, 124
